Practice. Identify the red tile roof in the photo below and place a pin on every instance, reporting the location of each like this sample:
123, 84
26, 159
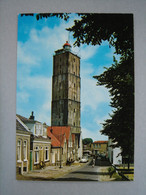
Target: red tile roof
100, 142
58, 133
67, 44
54, 141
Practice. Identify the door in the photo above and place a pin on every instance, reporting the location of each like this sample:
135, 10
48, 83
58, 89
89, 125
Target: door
30, 160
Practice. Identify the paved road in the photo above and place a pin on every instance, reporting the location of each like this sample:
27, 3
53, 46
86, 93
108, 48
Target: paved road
87, 173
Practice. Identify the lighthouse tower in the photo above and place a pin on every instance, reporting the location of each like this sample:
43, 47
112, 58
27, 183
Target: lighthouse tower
66, 91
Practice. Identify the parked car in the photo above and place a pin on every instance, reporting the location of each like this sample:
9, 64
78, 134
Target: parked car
84, 159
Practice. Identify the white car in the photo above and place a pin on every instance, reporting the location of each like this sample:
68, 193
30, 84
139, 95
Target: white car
84, 159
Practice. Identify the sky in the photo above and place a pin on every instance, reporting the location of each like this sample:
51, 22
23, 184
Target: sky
37, 41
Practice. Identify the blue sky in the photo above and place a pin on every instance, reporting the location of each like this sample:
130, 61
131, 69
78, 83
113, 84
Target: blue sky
37, 41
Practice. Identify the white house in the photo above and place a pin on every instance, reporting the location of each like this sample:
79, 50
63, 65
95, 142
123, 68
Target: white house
114, 154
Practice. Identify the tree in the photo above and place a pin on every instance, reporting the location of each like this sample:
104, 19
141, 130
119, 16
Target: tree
119, 78
87, 141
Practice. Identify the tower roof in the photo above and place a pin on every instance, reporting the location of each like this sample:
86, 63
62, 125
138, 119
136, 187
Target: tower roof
67, 44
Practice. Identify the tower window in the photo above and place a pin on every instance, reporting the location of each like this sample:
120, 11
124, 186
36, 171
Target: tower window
74, 84
74, 124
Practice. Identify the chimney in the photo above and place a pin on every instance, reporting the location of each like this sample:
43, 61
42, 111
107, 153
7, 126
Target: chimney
31, 116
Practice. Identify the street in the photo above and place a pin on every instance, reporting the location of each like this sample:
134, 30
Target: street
89, 173
74, 172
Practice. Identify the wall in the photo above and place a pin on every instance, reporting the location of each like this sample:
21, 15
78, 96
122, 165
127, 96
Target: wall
41, 148
24, 165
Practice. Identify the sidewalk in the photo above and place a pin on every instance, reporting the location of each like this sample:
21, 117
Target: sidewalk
50, 172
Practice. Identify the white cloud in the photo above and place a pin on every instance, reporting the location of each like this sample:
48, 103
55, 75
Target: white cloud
23, 96
95, 135
86, 52
101, 120
92, 95
44, 117
24, 55
35, 82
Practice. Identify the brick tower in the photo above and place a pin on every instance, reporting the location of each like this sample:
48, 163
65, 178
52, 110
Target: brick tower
66, 90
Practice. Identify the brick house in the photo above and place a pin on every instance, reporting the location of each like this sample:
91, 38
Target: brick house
40, 143
99, 147
22, 147
62, 144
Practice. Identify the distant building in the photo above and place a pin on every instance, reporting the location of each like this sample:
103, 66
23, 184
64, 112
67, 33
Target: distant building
22, 147
99, 147
66, 93
40, 143
87, 149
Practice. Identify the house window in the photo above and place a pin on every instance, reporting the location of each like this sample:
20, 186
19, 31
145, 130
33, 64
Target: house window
19, 150
25, 150
46, 153
34, 130
37, 131
45, 131
41, 130
36, 155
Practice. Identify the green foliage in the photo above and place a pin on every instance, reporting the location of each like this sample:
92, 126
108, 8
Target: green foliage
87, 141
39, 16
64, 16
111, 171
119, 78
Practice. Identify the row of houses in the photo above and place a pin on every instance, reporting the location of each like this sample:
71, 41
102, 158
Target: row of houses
39, 145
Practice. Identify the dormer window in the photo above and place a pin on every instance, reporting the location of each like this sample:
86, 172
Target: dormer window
45, 132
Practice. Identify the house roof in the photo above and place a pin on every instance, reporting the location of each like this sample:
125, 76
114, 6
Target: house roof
26, 120
21, 128
57, 130
66, 44
100, 142
54, 141
58, 134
